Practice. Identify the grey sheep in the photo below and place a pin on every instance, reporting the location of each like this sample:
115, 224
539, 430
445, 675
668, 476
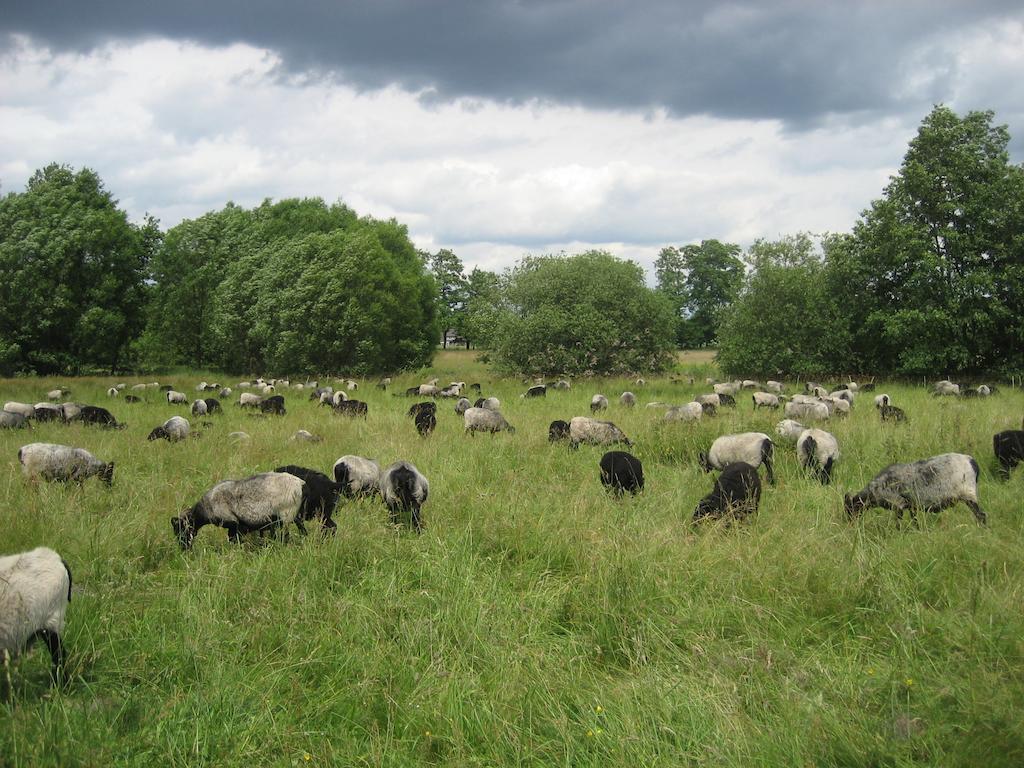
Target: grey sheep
404, 489
357, 476
754, 448
818, 451
173, 430
583, 429
485, 420
63, 463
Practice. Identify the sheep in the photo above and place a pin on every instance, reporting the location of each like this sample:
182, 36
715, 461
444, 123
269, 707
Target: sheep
812, 411
1008, 447
491, 404
891, 413
621, 472
945, 388
306, 436
26, 410
261, 502
775, 387
713, 399
132, 399
426, 421
173, 430
452, 391
598, 403
63, 463
417, 408
338, 397
70, 411
352, 408
384, 383
818, 451
10, 420
837, 405
48, 412
627, 399
357, 476
586, 430
268, 389
558, 430
984, 390
319, 498
199, 407
749, 384
882, 399
727, 388
657, 404
273, 405
689, 412
201, 386
789, 429
727, 400
249, 400
176, 398
225, 393
930, 484
462, 405
113, 392
35, 590
93, 414
428, 390
844, 394
57, 394
765, 400
486, 420
736, 493
755, 448
138, 387
404, 489
351, 385
562, 384
213, 405
538, 391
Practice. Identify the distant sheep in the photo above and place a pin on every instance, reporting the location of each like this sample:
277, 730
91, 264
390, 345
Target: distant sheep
929, 484
881, 400
621, 472
404, 489
818, 451
10, 420
225, 393
562, 384
598, 403
416, 408
320, 496
765, 400
63, 463
892, 413
352, 408
754, 448
538, 391
736, 494
198, 407
249, 400
749, 384
57, 394
357, 476
593, 432
262, 502
809, 411
305, 436
176, 398
462, 405
628, 399
946, 388
426, 421
491, 404
94, 415
789, 429
428, 390
689, 412
173, 430
726, 400
213, 405
844, 394
48, 412
727, 388
34, 598
558, 430
486, 420
273, 405
113, 392
1008, 447
774, 386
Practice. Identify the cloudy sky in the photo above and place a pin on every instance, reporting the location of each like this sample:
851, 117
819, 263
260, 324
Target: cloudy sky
502, 127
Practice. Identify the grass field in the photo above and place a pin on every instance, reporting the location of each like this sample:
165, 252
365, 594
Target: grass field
537, 621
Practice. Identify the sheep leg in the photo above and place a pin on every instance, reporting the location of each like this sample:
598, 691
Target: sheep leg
233, 535
301, 526
5, 693
57, 657
417, 523
329, 527
978, 514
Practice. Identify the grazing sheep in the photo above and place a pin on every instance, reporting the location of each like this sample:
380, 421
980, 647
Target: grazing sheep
765, 400
70, 411
357, 476
462, 405
811, 411
598, 403
48, 412
491, 404
736, 494
627, 399
713, 399
774, 387
404, 490
789, 429
249, 400
113, 392
35, 590
727, 388
319, 498
273, 405
562, 384
351, 385
583, 429
268, 389
213, 405
844, 394
417, 408
892, 413
225, 393
57, 394
199, 407
621, 472
749, 384
10, 420
1008, 447
837, 405
881, 400
486, 420
657, 404
26, 410
538, 391
945, 388
338, 397
63, 463
262, 502
558, 430
94, 415
132, 399
426, 421
452, 391
173, 430
138, 387
176, 398
428, 390
689, 412
352, 408
384, 383
818, 451
201, 386
726, 400
305, 436
754, 448
984, 390
929, 484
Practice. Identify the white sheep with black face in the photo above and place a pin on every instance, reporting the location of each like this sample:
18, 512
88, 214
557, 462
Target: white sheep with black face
404, 489
754, 448
49, 461
789, 429
818, 451
173, 430
249, 400
113, 392
357, 475
882, 399
35, 590
727, 388
583, 429
765, 400
598, 403
176, 398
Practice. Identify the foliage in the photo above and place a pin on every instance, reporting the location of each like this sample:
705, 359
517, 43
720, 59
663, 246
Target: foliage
452, 286
699, 281
485, 303
584, 314
72, 295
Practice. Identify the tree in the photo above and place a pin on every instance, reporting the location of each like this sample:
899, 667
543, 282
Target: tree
73, 293
485, 303
670, 274
447, 270
714, 276
585, 314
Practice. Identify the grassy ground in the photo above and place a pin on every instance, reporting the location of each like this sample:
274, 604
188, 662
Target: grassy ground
537, 621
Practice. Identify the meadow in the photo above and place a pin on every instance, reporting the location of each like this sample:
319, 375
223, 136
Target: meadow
537, 621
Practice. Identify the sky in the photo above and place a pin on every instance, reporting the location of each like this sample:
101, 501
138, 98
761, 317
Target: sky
499, 128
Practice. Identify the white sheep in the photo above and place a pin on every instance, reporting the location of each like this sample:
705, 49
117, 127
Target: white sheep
462, 405
55, 394
429, 390
199, 407
627, 399
712, 399
689, 412
727, 388
306, 436
173, 430
486, 420
814, 411
338, 397
774, 387
63, 463
765, 400
249, 400
750, 384
138, 387
491, 404
845, 394
176, 398
882, 399
789, 429
598, 403
583, 429
946, 388
754, 448
351, 385
113, 392
68, 411
35, 590
25, 409
265, 501
818, 450
404, 489
357, 475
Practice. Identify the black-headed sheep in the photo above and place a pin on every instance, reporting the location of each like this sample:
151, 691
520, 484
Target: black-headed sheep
174, 429
249, 400
417, 408
929, 484
736, 494
538, 391
621, 472
1008, 447
320, 498
273, 405
818, 451
425, 422
63, 463
598, 403
486, 420
404, 489
176, 398
558, 430
583, 429
357, 475
753, 448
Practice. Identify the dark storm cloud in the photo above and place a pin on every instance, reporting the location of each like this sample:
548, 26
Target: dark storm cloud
794, 61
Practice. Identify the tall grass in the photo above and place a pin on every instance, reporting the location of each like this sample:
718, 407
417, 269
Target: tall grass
537, 621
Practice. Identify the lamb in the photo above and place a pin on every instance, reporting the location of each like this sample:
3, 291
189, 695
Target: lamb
357, 476
404, 489
818, 451
416, 408
64, 463
558, 430
273, 405
789, 429
249, 400
320, 496
765, 400
812, 411
598, 403
10, 420
892, 413
24, 409
93, 414
462, 405
35, 590
689, 412
486, 420
1008, 447
621, 472
754, 448
929, 484
352, 408
261, 502
736, 493
586, 430
199, 407
176, 398
426, 421
173, 430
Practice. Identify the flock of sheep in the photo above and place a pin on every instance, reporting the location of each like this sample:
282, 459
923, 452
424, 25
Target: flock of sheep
35, 586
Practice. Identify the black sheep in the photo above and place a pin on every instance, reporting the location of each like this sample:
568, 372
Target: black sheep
425, 422
891, 413
320, 497
93, 414
213, 405
1009, 450
621, 471
539, 391
417, 408
727, 400
558, 430
352, 408
273, 404
737, 493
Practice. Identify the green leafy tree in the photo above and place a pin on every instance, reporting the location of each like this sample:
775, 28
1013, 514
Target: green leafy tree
670, 276
585, 314
714, 276
73, 294
447, 270
485, 304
